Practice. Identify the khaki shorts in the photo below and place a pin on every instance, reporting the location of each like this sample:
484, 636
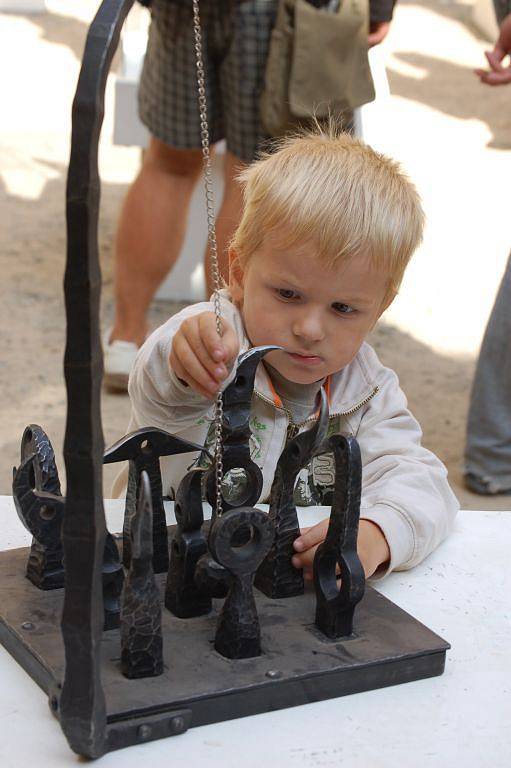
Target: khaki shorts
235, 35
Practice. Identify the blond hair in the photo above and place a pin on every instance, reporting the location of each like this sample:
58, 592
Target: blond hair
326, 186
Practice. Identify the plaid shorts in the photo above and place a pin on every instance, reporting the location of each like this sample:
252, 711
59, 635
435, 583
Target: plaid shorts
235, 40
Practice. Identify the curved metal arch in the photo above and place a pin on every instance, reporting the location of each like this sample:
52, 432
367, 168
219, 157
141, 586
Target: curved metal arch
81, 703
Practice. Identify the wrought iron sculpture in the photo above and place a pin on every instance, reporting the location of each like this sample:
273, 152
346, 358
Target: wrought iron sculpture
211, 578
71, 532
143, 450
338, 594
277, 577
81, 704
238, 635
40, 507
112, 580
236, 436
141, 636
183, 597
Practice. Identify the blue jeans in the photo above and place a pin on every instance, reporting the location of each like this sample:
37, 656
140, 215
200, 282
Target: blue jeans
488, 448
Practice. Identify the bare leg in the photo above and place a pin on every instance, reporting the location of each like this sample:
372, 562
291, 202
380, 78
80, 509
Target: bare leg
150, 233
227, 220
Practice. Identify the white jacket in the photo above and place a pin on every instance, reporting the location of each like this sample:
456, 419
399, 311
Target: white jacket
404, 486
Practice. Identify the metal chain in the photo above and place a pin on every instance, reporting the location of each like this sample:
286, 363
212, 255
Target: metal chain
210, 211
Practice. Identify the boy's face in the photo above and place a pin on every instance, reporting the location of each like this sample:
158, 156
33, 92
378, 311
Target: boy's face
319, 315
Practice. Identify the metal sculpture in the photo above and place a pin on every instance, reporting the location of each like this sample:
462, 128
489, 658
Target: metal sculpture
336, 600
40, 507
112, 580
183, 597
143, 449
211, 578
243, 480
81, 703
277, 577
238, 634
141, 636
391, 647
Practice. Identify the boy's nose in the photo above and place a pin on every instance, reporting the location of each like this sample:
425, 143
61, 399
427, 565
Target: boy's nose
309, 327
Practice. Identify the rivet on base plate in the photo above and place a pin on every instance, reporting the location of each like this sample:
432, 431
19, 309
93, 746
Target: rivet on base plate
144, 732
273, 674
177, 725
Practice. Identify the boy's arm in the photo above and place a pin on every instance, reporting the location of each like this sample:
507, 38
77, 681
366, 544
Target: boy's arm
405, 490
158, 397
372, 547
407, 505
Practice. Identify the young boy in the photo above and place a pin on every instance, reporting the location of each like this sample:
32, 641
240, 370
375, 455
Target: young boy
328, 228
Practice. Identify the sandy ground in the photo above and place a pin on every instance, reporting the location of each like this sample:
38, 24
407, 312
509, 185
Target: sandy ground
452, 135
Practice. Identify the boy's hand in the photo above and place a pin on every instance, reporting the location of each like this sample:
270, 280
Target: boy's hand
372, 547
200, 357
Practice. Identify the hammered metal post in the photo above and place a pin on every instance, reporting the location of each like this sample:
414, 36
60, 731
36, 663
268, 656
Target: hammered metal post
40, 506
143, 449
237, 401
141, 635
81, 704
238, 634
336, 602
277, 577
183, 597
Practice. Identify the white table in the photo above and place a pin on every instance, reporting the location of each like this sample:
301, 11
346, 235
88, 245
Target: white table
23, 6
463, 718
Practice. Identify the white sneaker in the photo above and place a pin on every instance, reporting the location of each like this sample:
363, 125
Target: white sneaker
118, 359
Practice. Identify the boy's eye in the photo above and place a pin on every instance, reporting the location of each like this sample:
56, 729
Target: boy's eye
343, 309
286, 293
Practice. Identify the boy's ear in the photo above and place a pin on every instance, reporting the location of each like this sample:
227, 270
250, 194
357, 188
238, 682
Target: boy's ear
387, 301
236, 276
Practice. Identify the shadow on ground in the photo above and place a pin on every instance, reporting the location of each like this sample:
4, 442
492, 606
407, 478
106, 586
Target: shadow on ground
438, 90
449, 87
62, 30
449, 9
32, 317
59, 30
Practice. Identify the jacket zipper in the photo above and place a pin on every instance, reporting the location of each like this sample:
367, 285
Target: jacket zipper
293, 429
360, 404
313, 418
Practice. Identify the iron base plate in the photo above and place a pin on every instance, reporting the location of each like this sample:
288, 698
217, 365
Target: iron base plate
298, 664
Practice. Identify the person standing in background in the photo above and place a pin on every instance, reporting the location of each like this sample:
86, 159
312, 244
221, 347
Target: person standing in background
152, 224
488, 446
